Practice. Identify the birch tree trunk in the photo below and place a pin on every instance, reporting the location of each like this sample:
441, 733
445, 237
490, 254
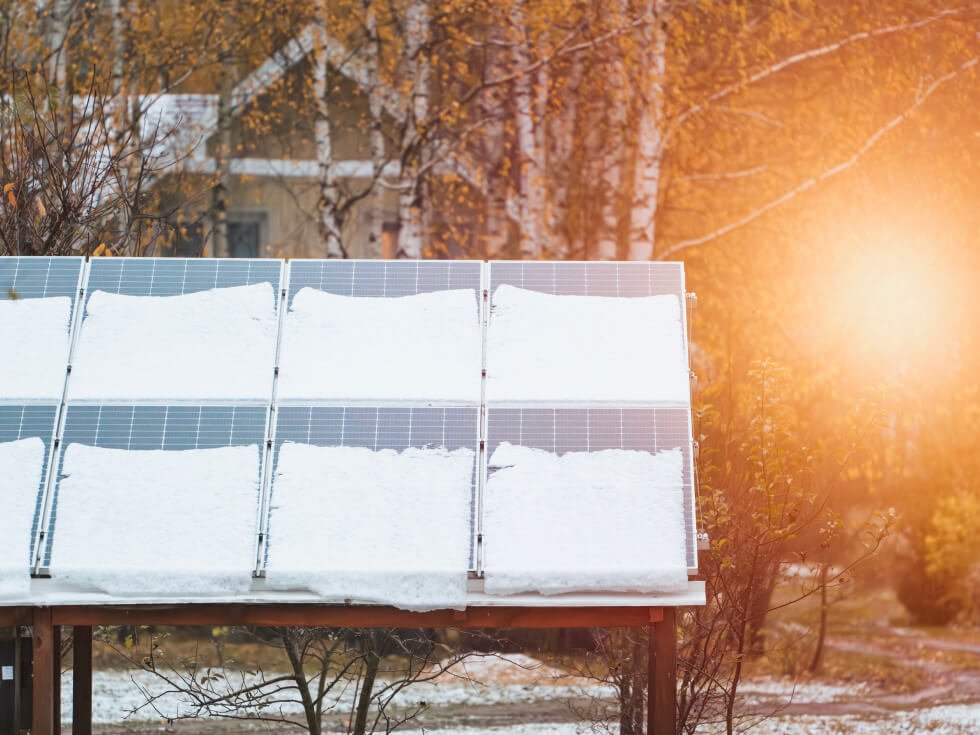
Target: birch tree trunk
375, 110
613, 165
57, 35
416, 67
328, 213
560, 148
530, 173
222, 153
646, 181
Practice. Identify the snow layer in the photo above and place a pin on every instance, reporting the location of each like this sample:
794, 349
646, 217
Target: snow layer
34, 335
376, 526
215, 345
155, 523
608, 521
425, 347
21, 463
542, 347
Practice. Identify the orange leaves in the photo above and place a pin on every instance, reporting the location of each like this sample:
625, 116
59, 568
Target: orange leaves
8, 190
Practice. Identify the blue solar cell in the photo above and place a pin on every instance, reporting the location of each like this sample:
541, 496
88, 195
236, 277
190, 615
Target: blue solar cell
36, 277
382, 428
23, 422
175, 276
563, 430
383, 277
157, 427
591, 279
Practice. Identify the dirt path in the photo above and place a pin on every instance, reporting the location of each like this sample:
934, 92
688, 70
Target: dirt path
946, 683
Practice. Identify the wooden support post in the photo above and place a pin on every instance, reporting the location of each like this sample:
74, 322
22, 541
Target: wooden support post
81, 714
662, 675
43, 643
56, 681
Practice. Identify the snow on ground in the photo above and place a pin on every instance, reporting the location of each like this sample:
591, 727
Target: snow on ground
34, 335
157, 523
768, 688
425, 347
379, 526
21, 463
537, 537
542, 347
215, 345
115, 694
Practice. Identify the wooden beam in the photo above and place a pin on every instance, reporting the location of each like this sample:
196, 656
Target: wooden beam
11, 616
42, 643
56, 680
81, 713
351, 616
662, 676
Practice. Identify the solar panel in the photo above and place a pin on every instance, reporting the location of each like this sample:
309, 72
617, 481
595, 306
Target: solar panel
23, 422
591, 279
383, 277
380, 428
213, 338
175, 276
34, 277
561, 430
37, 306
156, 427
382, 333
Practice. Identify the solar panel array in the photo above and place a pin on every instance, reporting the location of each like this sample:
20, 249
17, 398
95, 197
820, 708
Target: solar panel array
173, 423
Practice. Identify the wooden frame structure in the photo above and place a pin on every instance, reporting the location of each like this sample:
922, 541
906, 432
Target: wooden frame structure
46, 624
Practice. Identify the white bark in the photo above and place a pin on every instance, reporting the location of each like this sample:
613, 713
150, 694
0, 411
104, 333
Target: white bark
607, 244
328, 222
222, 154
375, 110
416, 67
650, 137
560, 147
530, 164
57, 27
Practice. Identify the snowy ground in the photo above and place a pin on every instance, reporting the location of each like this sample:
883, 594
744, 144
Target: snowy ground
495, 697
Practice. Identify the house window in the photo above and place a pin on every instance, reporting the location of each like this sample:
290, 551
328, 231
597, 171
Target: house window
244, 238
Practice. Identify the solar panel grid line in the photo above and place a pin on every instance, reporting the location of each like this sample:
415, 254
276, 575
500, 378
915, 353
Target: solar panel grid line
382, 278
177, 276
37, 276
591, 278
271, 418
476, 554
145, 427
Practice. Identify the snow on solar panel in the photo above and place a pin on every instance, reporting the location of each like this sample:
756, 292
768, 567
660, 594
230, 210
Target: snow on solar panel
573, 495
25, 433
392, 332
374, 504
36, 300
598, 349
190, 330
609, 521
138, 493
